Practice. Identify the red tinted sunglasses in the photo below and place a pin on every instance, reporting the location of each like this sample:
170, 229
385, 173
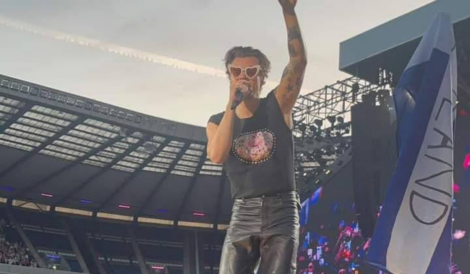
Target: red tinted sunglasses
250, 72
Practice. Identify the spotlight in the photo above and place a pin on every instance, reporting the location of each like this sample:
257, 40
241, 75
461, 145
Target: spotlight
340, 119
311, 157
354, 90
318, 122
313, 129
303, 128
369, 98
332, 120
328, 133
330, 150
384, 97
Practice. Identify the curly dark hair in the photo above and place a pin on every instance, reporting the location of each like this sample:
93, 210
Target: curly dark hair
248, 52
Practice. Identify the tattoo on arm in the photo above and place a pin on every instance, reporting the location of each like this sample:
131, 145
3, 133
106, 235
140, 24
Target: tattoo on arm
292, 51
295, 83
286, 72
290, 88
292, 77
293, 33
295, 42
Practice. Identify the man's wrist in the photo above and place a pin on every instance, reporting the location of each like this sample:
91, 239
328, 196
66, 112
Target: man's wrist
288, 10
228, 108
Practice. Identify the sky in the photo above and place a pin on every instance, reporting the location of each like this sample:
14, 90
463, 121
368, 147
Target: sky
164, 57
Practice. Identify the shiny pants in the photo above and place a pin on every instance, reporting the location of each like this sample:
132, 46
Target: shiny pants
262, 231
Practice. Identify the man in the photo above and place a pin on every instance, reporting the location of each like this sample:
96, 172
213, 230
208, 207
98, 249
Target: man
255, 143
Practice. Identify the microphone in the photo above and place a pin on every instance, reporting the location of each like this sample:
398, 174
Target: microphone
238, 98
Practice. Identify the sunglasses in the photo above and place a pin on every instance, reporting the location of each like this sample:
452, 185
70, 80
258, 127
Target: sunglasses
250, 72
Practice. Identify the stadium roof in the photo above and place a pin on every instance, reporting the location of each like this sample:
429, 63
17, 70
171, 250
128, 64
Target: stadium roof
391, 45
71, 154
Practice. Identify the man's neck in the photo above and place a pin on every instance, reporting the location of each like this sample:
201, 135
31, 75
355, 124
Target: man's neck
247, 108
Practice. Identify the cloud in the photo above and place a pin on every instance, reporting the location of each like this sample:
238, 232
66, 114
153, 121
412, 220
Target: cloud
111, 48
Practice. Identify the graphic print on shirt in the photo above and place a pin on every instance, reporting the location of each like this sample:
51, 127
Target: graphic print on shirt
254, 147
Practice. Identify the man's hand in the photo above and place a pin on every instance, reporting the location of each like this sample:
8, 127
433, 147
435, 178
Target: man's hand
244, 87
288, 5
291, 83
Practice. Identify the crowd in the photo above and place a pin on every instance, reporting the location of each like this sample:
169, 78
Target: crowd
339, 248
344, 254
14, 253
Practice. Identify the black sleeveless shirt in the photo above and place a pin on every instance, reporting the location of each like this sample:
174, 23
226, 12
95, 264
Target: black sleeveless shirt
261, 160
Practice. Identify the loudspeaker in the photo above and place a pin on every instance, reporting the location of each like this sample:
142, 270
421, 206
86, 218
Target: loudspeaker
374, 157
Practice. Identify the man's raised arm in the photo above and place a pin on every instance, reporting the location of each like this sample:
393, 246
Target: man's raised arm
292, 78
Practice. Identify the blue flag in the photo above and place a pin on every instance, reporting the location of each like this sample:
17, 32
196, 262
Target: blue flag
414, 232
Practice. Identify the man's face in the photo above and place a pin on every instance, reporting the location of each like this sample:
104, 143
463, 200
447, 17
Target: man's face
247, 70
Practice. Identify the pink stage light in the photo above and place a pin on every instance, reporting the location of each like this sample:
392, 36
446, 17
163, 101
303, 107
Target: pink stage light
199, 214
456, 188
158, 267
466, 162
124, 206
47, 195
459, 234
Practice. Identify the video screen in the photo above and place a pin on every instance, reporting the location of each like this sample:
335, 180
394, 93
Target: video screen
330, 237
